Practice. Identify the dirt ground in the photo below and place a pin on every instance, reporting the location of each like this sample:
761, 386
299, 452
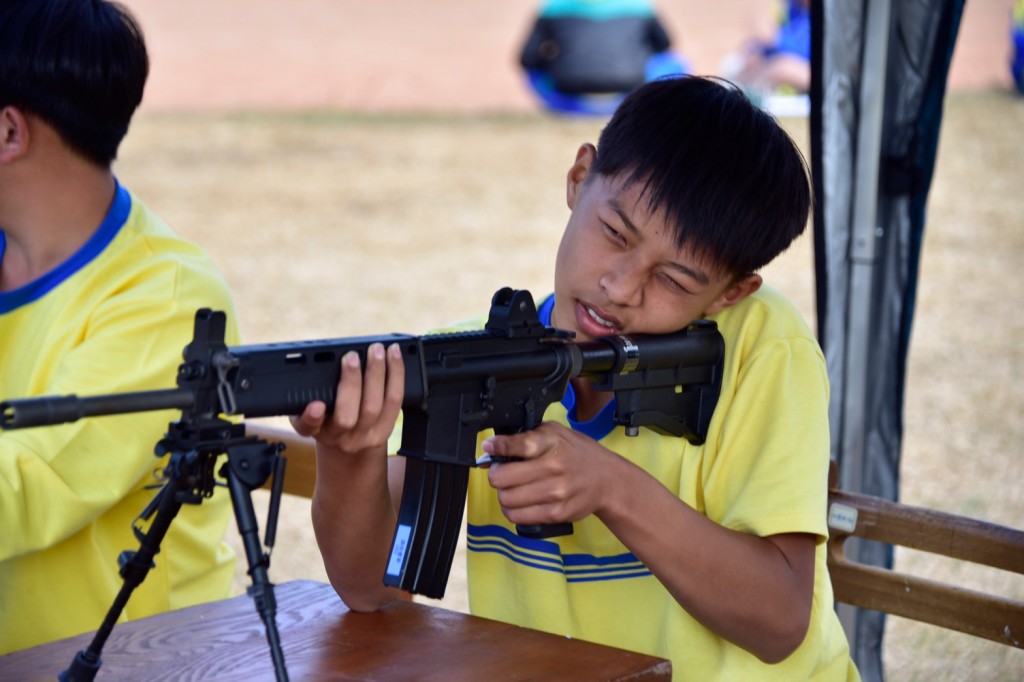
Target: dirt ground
359, 140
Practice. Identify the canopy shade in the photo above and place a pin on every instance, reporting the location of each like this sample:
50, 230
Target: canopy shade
879, 70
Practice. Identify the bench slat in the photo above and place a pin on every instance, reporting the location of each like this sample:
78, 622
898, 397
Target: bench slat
993, 617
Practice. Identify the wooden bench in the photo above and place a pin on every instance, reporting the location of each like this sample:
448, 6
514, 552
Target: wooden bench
993, 617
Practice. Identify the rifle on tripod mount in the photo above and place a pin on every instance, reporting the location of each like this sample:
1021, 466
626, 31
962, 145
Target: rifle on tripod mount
503, 378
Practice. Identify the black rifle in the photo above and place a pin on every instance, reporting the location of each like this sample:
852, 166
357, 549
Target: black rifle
503, 378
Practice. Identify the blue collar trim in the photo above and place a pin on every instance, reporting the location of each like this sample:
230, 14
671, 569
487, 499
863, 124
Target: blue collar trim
604, 422
112, 223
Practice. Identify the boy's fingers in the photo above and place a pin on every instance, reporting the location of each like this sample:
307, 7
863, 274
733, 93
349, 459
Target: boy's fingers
526, 445
311, 419
395, 386
350, 392
373, 384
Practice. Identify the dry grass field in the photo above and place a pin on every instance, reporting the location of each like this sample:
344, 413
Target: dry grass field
333, 224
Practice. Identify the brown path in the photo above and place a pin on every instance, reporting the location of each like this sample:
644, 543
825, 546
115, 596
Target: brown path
431, 55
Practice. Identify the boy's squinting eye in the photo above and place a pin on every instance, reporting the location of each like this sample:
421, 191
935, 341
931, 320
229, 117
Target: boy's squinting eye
613, 233
674, 284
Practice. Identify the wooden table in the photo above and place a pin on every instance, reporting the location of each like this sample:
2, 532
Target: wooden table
323, 640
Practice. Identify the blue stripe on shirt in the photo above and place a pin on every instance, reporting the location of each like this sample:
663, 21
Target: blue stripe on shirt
546, 556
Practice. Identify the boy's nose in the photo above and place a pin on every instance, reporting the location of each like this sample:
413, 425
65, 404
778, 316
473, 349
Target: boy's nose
624, 285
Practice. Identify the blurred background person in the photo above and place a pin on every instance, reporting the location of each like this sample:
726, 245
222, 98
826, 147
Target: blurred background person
775, 60
583, 56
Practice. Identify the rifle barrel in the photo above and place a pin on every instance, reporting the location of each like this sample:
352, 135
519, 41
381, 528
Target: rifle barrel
48, 410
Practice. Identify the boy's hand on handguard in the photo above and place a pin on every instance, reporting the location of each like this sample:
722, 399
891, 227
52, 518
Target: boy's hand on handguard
366, 406
561, 477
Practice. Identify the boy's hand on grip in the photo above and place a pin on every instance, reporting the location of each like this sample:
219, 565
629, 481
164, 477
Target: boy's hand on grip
547, 475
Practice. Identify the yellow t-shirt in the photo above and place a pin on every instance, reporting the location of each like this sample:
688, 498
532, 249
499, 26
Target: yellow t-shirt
762, 470
114, 318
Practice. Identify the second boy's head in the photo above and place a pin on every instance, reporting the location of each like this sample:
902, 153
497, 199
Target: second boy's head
690, 191
79, 66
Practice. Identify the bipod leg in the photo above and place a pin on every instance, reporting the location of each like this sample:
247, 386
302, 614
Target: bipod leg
134, 568
249, 465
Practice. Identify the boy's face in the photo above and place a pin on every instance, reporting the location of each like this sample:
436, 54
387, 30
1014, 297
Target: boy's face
619, 269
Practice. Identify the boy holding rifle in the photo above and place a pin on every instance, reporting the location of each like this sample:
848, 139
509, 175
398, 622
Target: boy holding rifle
711, 555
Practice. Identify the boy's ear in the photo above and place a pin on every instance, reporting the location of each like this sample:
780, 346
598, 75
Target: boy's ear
736, 292
578, 172
14, 134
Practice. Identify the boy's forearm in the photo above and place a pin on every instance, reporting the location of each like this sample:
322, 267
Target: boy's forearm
738, 585
354, 518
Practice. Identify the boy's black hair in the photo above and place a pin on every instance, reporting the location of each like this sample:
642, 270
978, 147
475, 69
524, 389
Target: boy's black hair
730, 180
79, 65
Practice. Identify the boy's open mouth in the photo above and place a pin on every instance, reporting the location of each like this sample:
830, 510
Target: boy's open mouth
600, 320
592, 323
